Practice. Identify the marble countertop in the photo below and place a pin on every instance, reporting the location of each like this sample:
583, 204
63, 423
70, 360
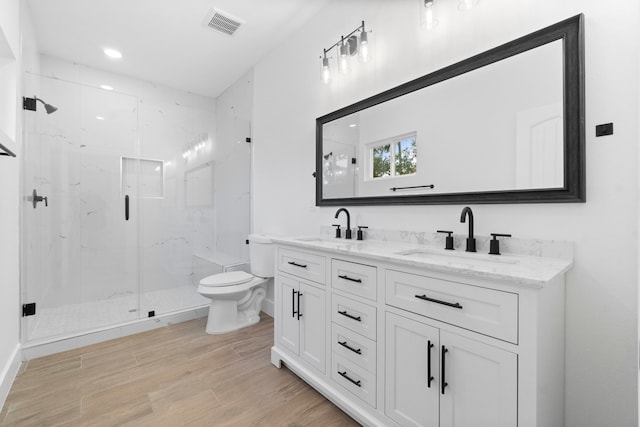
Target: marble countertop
517, 269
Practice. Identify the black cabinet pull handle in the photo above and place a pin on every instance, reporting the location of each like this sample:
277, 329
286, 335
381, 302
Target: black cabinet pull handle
442, 380
345, 376
126, 207
299, 314
297, 265
350, 279
429, 376
348, 347
293, 302
350, 316
448, 304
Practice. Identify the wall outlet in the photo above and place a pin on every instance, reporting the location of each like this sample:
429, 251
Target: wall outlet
604, 129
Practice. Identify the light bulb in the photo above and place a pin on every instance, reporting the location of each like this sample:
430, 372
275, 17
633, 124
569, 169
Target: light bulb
344, 56
364, 47
326, 71
466, 4
429, 21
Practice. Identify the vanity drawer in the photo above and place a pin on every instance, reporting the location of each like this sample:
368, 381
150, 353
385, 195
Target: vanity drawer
353, 347
357, 279
302, 264
487, 311
358, 381
354, 315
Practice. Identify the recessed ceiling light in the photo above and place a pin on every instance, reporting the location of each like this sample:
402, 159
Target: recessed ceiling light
112, 53
106, 87
353, 125
99, 118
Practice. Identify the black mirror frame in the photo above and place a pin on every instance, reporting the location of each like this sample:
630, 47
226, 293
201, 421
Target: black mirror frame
571, 31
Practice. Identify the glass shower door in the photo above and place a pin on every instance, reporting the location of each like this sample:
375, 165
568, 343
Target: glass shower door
80, 230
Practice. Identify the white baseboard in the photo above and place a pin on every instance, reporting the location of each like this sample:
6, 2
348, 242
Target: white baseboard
267, 307
9, 373
60, 344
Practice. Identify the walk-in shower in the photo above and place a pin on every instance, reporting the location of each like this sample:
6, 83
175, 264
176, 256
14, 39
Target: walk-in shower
120, 208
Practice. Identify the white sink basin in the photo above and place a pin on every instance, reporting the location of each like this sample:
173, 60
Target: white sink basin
470, 258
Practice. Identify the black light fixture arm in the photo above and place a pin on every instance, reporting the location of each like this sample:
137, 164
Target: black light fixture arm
341, 42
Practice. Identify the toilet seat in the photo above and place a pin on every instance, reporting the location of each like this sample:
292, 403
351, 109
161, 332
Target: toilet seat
230, 278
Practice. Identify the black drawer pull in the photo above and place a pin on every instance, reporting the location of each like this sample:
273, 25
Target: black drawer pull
348, 347
345, 277
448, 304
350, 316
344, 375
297, 265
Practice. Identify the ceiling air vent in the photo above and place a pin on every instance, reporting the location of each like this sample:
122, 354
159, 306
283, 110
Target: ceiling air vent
221, 21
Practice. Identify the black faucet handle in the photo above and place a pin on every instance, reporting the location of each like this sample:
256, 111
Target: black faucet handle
448, 240
494, 244
338, 234
360, 234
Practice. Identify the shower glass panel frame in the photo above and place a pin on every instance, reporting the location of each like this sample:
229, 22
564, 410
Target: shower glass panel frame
88, 265
80, 254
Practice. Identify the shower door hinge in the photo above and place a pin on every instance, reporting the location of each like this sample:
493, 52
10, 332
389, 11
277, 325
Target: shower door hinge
28, 104
247, 140
28, 309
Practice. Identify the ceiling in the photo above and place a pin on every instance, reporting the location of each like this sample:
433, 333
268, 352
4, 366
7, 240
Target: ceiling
166, 41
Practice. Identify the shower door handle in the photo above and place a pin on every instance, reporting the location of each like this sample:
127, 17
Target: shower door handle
35, 199
126, 207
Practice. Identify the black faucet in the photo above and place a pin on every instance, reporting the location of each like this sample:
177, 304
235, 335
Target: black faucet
471, 242
347, 233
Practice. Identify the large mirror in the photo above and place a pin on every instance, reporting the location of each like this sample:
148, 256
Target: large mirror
505, 126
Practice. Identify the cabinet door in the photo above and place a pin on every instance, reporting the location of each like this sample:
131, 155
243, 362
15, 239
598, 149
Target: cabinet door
410, 398
289, 324
482, 384
313, 326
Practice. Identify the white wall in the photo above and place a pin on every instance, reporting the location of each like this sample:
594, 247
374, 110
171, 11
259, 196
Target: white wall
601, 294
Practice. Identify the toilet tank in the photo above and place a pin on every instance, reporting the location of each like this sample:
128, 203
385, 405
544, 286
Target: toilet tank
261, 255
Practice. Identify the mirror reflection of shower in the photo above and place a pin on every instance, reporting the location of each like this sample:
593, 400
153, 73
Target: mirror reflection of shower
30, 104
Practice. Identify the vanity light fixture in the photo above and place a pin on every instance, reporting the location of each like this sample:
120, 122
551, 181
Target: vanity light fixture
429, 11
112, 53
356, 42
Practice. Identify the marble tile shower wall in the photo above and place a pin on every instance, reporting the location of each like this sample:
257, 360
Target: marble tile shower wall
85, 249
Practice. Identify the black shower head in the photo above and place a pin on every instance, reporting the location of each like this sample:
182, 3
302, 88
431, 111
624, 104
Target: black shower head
30, 104
47, 107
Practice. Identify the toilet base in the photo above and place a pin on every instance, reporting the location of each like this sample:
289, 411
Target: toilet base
226, 315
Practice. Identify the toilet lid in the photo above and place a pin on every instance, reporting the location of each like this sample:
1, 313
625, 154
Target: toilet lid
226, 279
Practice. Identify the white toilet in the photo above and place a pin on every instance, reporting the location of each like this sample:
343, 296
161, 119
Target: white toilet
236, 296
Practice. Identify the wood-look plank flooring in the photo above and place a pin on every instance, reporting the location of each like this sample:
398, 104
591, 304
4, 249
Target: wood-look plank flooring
172, 376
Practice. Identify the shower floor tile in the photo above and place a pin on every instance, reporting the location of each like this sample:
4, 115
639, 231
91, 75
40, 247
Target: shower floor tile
90, 315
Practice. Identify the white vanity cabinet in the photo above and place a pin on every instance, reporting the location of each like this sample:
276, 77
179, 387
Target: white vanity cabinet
439, 378
301, 325
354, 319
403, 342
